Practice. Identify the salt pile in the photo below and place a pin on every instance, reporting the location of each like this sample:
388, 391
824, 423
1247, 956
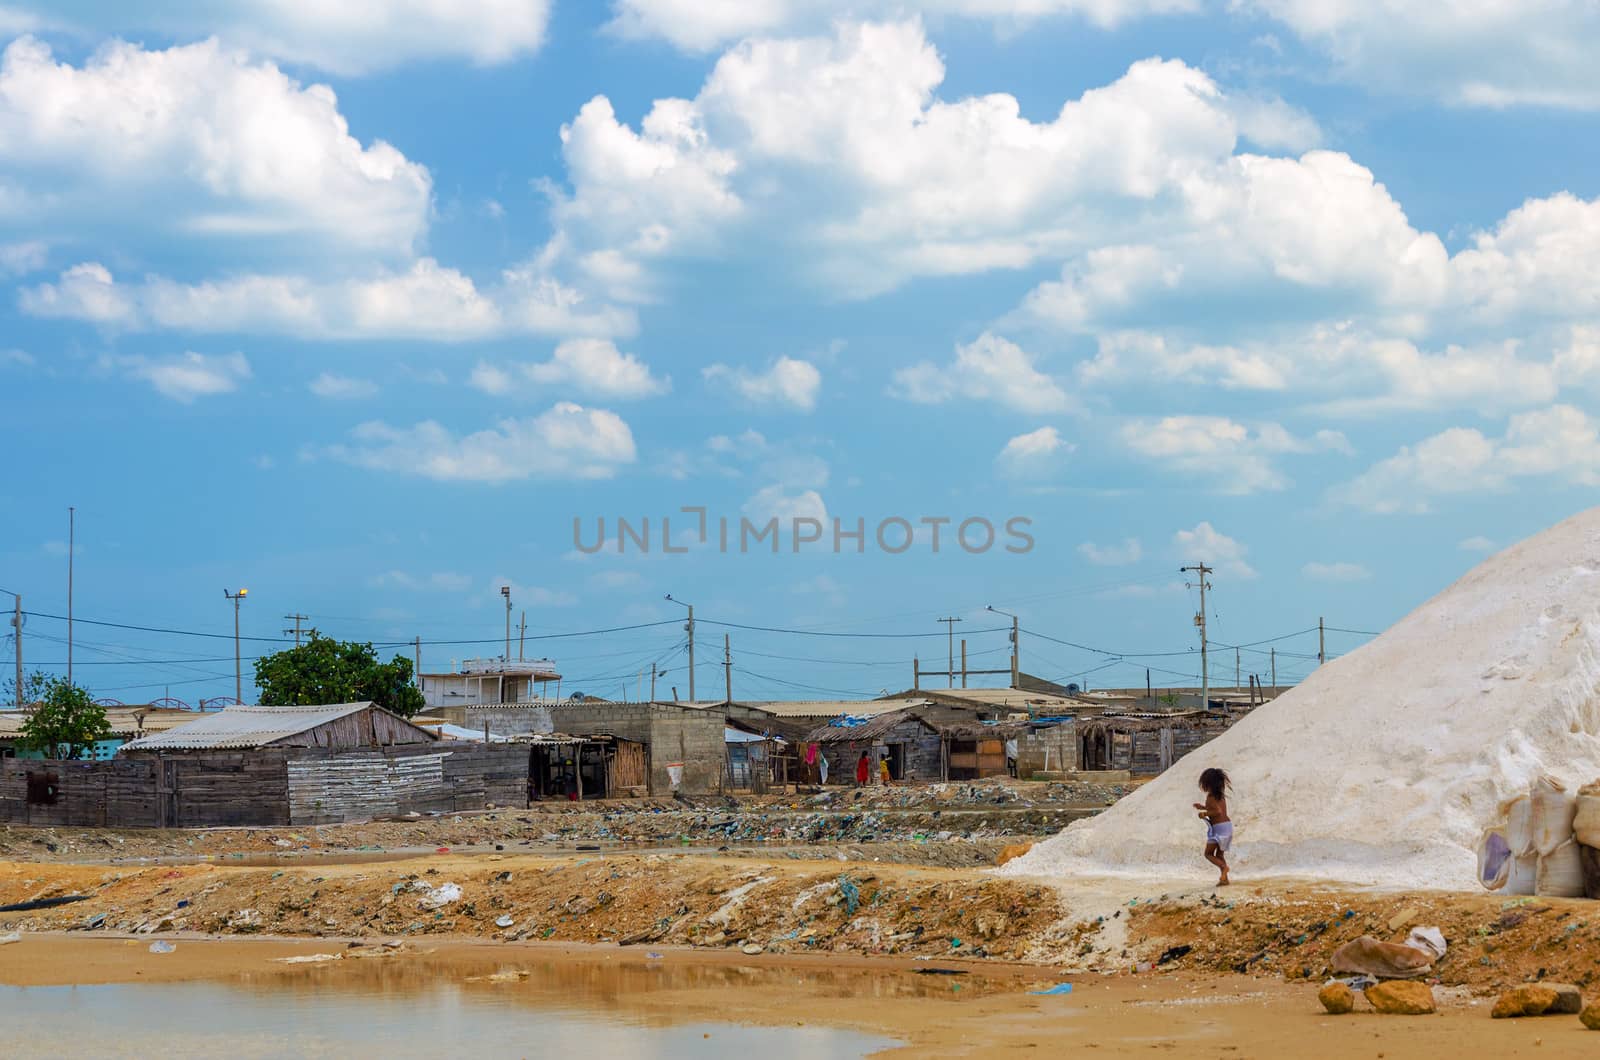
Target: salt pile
1387, 766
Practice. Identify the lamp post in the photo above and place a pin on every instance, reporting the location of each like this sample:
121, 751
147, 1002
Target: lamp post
1016, 645
238, 668
690, 629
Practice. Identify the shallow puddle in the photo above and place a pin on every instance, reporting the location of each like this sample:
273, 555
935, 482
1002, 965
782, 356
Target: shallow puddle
392, 1012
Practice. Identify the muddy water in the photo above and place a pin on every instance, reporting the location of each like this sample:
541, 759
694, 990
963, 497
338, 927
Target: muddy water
414, 1009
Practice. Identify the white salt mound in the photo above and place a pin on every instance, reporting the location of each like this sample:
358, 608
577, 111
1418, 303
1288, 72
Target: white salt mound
1387, 765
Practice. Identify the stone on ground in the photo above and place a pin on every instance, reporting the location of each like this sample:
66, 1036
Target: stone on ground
1399, 997
1336, 998
1590, 1016
1569, 1000
1530, 999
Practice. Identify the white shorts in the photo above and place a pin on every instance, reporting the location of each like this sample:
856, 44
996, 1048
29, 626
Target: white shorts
1220, 834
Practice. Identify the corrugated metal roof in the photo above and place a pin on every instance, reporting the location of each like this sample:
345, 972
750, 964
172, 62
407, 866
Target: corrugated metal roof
244, 726
866, 732
123, 721
827, 708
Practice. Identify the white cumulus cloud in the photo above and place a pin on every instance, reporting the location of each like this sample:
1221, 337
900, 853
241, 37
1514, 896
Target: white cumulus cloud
566, 442
345, 38
201, 141
1121, 554
592, 366
989, 368
341, 387
1229, 456
186, 377
1560, 443
1032, 454
787, 381
1206, 544
1335, 572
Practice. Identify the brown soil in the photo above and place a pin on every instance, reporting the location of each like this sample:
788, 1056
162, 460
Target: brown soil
993, 1013
652, 899
1290, 931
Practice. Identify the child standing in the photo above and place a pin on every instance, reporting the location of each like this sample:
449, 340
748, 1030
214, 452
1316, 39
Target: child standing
1214, 811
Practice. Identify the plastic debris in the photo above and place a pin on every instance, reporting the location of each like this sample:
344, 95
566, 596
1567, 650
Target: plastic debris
504, 921
6, 940
162, 946
437, 897
1054, 991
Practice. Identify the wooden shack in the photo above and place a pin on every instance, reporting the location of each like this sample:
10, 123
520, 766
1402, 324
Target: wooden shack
260, 765
912, 747
1145, 744
585, 767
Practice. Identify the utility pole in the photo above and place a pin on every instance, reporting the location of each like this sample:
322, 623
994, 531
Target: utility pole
1236, 686
688, 628
505, 591
1016, 646
296, 619
16, 623
1200, 621
238, 668
1274, 671
72, 546
727, 669
1322, 643
950, 662
522, 635
416, 647
963, 662
652, 682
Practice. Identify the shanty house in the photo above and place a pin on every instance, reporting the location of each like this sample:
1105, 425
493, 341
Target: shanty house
912, 747
683, 743
1145, 744
261, 765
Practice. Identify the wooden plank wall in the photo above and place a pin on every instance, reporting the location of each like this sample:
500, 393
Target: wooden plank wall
89, 794
273, 787
217, 788
331, 786
368, 728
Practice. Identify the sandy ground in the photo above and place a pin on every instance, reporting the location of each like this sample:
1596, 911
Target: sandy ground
988, 1013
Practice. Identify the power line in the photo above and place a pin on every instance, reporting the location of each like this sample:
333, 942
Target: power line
827, 633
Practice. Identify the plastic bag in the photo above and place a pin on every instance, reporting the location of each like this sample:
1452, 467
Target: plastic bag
1561, 872
1552, 814
1494, 859
1519, 825
1524, 874
1586, 818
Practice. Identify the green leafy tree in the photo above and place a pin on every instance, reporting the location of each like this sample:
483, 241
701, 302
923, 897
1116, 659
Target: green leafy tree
33, 689
64, 721
325, 670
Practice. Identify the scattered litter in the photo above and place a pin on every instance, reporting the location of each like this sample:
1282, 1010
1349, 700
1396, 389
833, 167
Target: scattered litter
1054, 991
504, 921
652, 955
306, 958
436, 897
6, 940
752, 948
942, 971
162, 946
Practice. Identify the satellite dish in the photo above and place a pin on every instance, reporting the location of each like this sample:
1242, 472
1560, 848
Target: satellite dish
1073, 689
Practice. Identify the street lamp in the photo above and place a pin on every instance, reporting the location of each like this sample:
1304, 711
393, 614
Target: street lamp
690, 628
238, 669
1016, 644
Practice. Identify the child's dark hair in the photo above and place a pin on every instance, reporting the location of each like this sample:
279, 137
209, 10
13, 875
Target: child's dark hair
1215, 782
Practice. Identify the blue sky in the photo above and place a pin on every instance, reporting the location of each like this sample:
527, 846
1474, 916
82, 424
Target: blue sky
362, 313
